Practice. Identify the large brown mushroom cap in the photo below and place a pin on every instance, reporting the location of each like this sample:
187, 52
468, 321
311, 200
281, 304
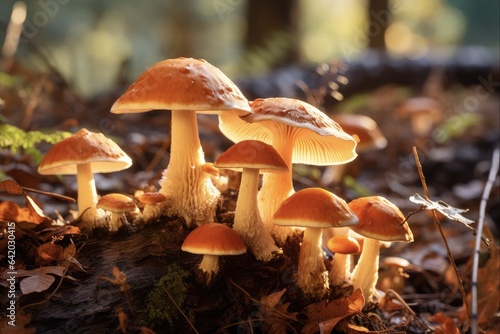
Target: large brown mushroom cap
318, 139
380, 219
84, 147
314, 207
182, 84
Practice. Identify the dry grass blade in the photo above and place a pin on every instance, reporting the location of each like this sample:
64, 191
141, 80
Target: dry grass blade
443, 237
479, 230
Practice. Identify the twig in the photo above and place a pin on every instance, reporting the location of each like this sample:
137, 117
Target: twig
58, 196
178, 308
443, 237
479, 231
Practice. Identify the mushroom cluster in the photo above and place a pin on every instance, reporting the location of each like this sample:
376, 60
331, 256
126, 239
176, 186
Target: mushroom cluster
270, 135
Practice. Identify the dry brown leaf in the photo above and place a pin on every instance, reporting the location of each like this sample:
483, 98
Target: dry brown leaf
54, 270
10, 211
448, 326
324, 316
488, 292
275, 315
36, 283
48, 252
20, 320
11, 187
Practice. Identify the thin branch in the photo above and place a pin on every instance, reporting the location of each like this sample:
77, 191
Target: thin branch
443, 237
178, 308
479, 231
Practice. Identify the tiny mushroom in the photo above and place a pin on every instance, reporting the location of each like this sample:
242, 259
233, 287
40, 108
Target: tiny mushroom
213, 240
343, 246
379, 220
118, 205
300, 133
313, 209
253, 157
187, 87
151, 201
83, 154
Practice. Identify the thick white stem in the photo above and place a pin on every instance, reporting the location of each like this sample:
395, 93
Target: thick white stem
189, 190
341, 269
312, 275
365, 274
209, 265
87, 194
247, 220
276, 187
116, 220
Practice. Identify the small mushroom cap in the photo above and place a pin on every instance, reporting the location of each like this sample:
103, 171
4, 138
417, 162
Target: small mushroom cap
394, 261
251, 154
182, 84
380, 219
214, 239
318, 139
364, 129
116, 203
151, 198
314, 207
83, 147
342, 244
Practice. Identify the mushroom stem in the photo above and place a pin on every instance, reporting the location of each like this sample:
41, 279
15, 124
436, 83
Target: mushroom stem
365, 274
209, 265
247, 220
341, 269
312, 275
116, 220
87, 194
276, 187
190, 192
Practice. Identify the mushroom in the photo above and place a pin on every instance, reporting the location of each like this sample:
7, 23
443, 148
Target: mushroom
367, 134
118, 205
300, 133
343, 246
83, 154
379, 220
213, 240
185, 86
313, 209
151, 201
252, 157
423, 113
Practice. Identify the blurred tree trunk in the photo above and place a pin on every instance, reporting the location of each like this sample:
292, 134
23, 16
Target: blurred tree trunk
273, 19
379, 18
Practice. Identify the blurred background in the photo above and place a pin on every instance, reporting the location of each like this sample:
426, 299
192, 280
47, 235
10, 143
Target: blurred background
95, 43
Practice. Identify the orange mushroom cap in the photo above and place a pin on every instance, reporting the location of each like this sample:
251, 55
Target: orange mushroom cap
380, 219
214, 239
343, 244
314, 207
182, 84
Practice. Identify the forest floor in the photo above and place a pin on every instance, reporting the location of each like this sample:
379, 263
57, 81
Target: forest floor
125, 282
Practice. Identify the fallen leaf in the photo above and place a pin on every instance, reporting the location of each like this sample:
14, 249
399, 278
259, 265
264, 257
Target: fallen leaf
36, 283
10, 211
324, 316
21, 321
448, 326
275, 315
54, 270
11, 187
48, 252
442, 207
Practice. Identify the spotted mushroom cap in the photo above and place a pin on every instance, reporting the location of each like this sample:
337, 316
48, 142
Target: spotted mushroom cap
380, 219
182, 84
318, 139
314, 207
83, 147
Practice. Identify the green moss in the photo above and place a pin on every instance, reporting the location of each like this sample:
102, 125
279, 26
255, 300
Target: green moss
160, 305
19, 141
